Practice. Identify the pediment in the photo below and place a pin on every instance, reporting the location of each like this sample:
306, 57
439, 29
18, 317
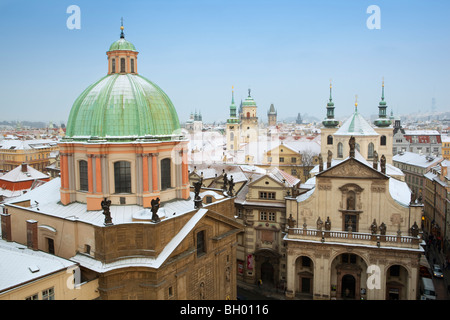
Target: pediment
352, 169
261, 182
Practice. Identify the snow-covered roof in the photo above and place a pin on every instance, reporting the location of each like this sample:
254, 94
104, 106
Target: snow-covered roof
356, 125
415, 159
46, 200
17, 175
20, 265
149, 262
26, 144
399, 190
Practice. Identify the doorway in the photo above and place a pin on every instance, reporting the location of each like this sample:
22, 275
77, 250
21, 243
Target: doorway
348, 287
267, 272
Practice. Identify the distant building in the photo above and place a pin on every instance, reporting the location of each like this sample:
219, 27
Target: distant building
414, 166
445, 147
261, 208
20, 180
436, 220
272, 116
424, 142
38, 153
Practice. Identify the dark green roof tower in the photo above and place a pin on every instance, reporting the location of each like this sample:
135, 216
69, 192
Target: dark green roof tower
233, 118
330, 121
383, 120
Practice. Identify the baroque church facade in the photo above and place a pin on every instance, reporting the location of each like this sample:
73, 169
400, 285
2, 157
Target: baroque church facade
353, 232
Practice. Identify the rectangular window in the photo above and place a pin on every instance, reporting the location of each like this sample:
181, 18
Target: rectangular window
350, 220
50, 246
165, 174
122, 177
293, 160
122, 65
201, 250
266, 195
48, 294
263, 216
32, 297
132, 65
271, 216
83, 169
281, 159
113, 66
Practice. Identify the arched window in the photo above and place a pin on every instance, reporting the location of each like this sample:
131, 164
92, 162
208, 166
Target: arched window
383, 140
83, 168
122, 65
340, 152
113, 67
330, 139
122, 177
132, 65
165, 174
231, 136
370, 150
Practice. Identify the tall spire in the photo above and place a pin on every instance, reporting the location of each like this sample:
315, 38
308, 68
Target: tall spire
233, 118
122, 35
331, 98
382, 120
330, 121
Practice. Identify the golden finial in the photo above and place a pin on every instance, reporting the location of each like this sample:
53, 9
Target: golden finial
330, 83
356, 102
383, 82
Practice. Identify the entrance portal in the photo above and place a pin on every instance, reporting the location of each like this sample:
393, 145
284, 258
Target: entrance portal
267, 272
348, 287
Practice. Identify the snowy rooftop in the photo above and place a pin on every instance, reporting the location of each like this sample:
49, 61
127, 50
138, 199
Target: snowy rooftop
26, 144
46, 200
356, 125
17, 175
398, 190
21, 265
415, 159
149, 262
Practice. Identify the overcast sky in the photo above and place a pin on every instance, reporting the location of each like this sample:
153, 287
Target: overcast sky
285, 51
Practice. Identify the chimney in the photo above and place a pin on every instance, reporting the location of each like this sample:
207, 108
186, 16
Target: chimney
443, 172
32, 234
6, 225
24, 167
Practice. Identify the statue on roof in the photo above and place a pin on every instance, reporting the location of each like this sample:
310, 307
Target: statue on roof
225, 180
105, 206
154, 209
320, 162
383, 164
197, 199
330, 156
328, 224
352, 144
231, 186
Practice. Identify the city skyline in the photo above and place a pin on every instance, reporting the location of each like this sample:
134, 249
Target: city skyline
286, 52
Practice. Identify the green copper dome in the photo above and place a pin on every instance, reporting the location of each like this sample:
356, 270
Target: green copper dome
122, 44
122, 106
